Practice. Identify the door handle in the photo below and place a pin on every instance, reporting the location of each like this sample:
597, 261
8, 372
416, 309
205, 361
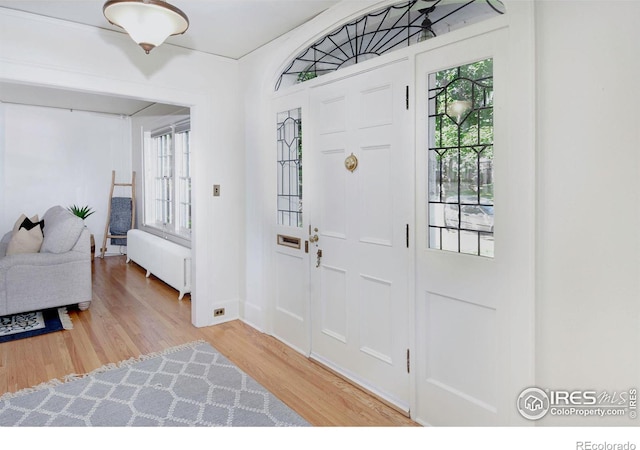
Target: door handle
314, 238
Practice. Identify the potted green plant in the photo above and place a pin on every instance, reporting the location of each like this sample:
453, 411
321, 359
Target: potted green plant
83, 212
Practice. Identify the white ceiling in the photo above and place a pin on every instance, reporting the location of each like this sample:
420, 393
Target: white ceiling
22, 94
229, 28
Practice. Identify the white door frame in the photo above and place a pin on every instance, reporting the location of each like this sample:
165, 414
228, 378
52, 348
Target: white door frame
520, 101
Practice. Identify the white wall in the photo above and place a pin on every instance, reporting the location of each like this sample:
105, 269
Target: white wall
60, 157
588, 302
50, 52
2, 169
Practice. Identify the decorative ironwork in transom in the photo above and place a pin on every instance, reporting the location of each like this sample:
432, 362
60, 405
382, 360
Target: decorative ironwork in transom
385, 30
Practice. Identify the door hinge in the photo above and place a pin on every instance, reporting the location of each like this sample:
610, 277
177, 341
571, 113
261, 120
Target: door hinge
407, 235
406, 98
408, 361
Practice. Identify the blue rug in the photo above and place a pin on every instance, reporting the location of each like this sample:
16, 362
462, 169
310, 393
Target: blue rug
35, 323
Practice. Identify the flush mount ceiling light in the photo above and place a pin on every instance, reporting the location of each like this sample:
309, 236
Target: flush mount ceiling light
148, 22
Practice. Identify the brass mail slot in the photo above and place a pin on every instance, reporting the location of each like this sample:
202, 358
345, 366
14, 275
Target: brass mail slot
288, 241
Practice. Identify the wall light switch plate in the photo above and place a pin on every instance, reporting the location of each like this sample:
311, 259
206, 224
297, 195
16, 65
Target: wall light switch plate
216, 190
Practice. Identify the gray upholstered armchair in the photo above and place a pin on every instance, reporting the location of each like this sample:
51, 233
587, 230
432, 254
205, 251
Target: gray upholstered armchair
59, 274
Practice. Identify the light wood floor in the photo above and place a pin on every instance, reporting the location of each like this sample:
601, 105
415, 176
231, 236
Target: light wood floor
131, 315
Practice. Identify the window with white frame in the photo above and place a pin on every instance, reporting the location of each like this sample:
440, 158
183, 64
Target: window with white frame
167, 196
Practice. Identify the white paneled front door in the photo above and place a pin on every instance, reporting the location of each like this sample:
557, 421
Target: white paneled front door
360, 283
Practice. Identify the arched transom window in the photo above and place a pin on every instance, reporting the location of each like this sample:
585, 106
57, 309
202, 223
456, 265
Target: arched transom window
385, 30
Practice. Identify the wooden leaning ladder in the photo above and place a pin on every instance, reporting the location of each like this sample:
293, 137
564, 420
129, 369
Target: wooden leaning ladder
132, 185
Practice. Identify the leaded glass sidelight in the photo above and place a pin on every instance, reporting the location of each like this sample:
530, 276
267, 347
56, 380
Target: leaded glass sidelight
289, 138
385, 30
461, 159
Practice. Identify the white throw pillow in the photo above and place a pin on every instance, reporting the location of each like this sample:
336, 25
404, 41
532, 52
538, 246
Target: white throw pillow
16, 226
61, 231
25, 240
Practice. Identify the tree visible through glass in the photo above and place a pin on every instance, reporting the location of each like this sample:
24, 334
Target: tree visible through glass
461, 207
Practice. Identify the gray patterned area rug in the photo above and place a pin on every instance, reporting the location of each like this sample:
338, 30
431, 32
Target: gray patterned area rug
189, 385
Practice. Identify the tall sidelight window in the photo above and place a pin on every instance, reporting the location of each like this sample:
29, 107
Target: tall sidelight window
167, 155
461, 207
289, 162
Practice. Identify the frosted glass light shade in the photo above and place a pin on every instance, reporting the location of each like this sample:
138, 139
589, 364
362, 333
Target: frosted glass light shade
148, 22
426, 34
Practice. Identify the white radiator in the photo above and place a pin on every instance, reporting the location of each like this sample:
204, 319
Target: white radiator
166, 260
